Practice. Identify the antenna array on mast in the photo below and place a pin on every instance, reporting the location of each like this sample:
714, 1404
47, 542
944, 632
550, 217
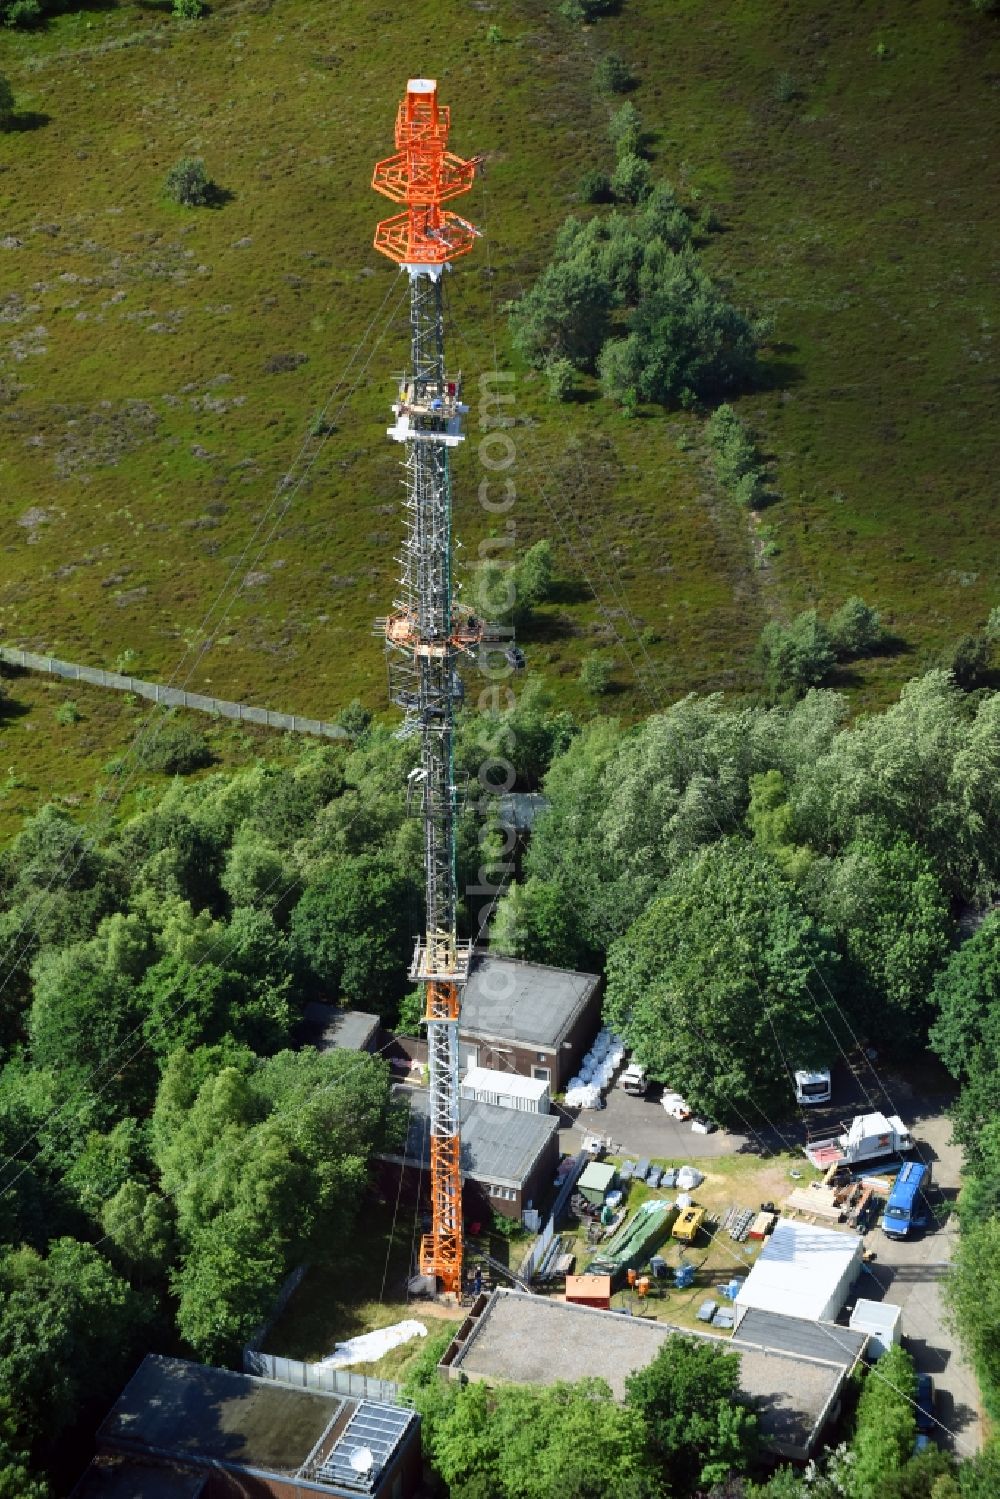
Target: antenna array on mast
427, 635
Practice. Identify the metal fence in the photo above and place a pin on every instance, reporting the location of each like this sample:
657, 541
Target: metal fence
292, 1371
174, 697
536, 1253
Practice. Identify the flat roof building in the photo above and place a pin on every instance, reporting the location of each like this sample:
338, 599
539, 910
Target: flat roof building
802, 1270
240, 1435
509, 1156
528, 1018
111, 1476
520, 810
329, 1028
794, 1370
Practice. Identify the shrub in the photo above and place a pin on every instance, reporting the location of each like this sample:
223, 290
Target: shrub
559, 375
587, 10
686, 342
662, 218
533, 577
125, 661
503, 1227
188, 183
596, 672
969, 661
595, 187
494, 35
785, 88
174, 748
411, 1012
20, 12
68, 713
630, 179
564, 314
188, 10
613, 74
625, 131
737, 461
855, 628
355, 719
795, 657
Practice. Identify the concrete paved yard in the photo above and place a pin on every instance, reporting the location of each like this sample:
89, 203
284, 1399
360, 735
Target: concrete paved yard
641, 1128
911, 1273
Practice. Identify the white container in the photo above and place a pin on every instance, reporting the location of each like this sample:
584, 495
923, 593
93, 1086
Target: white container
881, 1321
507, 1089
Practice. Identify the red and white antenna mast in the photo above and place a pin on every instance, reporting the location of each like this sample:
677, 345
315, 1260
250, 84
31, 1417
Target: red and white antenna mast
426, 634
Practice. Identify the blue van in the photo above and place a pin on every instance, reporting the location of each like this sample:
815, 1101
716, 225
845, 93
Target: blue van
907, 1205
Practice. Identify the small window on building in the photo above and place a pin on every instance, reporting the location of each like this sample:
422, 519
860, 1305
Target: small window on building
541, 1074
541, 1056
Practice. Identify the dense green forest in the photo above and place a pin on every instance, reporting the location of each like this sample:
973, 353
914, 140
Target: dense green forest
169, 1158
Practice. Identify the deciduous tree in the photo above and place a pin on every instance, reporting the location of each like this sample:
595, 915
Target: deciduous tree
68, 1326
883, 898
885, 1426
697, 1424
718, 987
351, 931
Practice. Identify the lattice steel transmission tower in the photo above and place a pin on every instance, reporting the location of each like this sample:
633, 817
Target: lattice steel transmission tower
427, 634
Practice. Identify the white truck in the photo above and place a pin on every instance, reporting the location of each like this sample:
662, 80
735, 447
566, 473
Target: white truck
633, 1080
812, 1085
869, 1137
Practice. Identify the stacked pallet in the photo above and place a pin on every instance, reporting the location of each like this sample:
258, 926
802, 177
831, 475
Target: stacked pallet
815, 1200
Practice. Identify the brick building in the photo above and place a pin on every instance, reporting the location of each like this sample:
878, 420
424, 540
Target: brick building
528, 1018
508, 1159
187, 1431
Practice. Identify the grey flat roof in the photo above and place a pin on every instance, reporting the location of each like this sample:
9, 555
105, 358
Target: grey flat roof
818, 1340
520, 810
196, 1413
509, 1000
326, 1026
112, 1477
498, 1145
534, 1340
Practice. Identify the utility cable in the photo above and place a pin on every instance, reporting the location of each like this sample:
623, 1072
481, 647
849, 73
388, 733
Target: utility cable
84, 839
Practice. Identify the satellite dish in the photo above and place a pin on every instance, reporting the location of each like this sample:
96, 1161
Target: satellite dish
362, 1460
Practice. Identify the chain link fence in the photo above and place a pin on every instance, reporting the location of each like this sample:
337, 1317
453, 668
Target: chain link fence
174, 697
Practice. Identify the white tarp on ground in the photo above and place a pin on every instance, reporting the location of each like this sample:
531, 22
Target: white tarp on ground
369, 1346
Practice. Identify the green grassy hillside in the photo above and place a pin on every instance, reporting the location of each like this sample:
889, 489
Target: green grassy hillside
150, 408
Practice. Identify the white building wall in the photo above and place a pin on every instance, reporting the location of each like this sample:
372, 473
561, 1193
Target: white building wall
508, 1090
803, 1270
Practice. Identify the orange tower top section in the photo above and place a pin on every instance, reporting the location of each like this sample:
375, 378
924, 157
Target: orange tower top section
423, 174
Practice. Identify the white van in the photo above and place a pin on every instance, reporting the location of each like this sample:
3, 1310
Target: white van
813, 1086
633, 1080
